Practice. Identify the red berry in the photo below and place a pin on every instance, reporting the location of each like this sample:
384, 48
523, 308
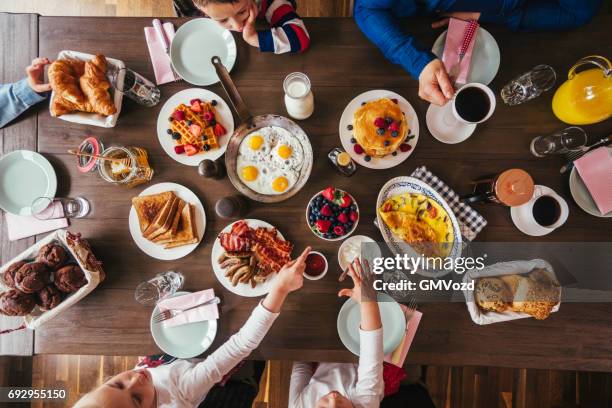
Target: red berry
219, 130
180, 149
195, 105
345, 201
404, 147
354, 216
323, 225
178, 115
329, 193
395, 101
326, 210
208, 115
357, 148
339, 230
394, 126
380, 122
343, 218
198, 100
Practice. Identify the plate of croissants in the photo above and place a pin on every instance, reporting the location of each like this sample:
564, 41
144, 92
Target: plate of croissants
81, 88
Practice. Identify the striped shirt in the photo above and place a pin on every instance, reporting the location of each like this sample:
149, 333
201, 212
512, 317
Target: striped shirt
287, 32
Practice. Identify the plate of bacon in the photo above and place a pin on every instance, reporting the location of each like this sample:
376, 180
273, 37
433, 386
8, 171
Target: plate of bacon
247, 255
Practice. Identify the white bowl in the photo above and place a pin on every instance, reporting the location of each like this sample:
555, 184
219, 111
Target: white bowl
361, 239
348, 233
322, 274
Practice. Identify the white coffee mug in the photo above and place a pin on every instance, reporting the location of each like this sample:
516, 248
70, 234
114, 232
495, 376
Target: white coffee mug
523, 217
488, 92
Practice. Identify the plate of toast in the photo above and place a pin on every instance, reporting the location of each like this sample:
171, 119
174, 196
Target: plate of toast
167, 221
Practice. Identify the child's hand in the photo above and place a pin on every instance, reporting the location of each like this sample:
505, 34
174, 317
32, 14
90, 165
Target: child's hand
36, 75
249, 33
291, 276
362, 281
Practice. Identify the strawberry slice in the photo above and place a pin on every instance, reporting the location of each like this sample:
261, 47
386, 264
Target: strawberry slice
343, 218
394, 126
354, 216
196, 105
326, 210
190, 149
195, 130
345, 201
219, 130
179, 149
198, 100
323, 225
178, 115
208, 115
329, 193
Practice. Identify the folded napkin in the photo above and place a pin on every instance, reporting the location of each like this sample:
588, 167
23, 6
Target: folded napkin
398, 356
470, 221
595, 169
19, 227
454, 40
159, 58
208, 312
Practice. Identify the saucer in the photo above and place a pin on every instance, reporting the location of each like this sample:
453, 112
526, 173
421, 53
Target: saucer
443, 132
522, 215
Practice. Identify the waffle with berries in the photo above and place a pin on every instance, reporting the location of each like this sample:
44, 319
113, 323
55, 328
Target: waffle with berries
194, 128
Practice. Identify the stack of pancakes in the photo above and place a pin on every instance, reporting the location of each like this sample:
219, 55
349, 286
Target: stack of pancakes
166, 219
365, 130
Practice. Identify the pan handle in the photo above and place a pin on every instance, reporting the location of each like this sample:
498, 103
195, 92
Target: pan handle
232, 92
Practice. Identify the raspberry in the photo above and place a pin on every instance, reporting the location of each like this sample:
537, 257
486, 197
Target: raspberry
404, 147
339, 230
326, 210
323, 225
357, 148
394, 127
343, 218
178, 115
379, 122
354, 216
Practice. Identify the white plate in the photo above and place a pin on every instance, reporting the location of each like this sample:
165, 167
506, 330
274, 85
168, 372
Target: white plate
581, 195
393, 323
242, 289
158, 251
224, 116
401, 185
347, 119
485, 57
194, 45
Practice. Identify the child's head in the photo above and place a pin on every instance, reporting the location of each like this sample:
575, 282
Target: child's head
231, 14
129, 389
334, 400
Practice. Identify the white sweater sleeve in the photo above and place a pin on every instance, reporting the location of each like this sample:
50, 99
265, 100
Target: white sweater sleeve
195, 382
300, 377
370, 388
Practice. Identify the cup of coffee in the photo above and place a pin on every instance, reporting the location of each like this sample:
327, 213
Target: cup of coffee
545, 212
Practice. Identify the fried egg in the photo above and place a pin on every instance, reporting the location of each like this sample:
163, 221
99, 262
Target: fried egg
287, 151
256, 146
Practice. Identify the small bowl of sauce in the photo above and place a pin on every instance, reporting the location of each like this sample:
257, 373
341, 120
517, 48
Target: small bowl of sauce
316, 266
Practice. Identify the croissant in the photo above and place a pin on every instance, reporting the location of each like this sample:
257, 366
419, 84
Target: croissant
64, 79
95, 86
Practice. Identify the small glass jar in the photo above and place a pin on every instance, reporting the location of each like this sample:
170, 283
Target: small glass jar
129, 166
341, 161
299, 99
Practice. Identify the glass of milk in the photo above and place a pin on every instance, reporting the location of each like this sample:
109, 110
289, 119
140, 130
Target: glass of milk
299, 100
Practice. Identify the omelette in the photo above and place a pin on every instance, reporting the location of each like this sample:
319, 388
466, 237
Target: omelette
420, 222
366, 124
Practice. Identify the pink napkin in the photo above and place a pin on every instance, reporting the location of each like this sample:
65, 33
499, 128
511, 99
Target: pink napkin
398, 356
19, 227
454, 39
595, 169
200, 314
159, 58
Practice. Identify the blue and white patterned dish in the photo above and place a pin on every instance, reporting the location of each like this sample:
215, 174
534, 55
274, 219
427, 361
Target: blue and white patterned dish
401, 185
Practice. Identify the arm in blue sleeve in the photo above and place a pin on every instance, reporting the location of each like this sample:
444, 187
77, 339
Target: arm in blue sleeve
377, 21
15, 99
545, 15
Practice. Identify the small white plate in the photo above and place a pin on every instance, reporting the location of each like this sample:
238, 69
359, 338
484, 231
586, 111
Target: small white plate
388, 161
194, 45
485, 57
441, 131
158, 251
223, 115
242, 289
581, 195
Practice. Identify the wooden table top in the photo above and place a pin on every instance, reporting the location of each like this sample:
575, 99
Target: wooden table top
341, 64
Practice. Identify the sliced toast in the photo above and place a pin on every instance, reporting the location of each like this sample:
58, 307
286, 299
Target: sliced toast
187, 232
149, 206
165, 222
169, 235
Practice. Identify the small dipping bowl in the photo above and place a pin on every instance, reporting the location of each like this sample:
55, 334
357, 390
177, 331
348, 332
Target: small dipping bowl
316, 260
353, 244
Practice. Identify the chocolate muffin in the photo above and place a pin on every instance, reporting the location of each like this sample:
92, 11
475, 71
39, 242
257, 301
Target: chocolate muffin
48, 297
52, 255
8, 276
16, 303
32, 277
70, 278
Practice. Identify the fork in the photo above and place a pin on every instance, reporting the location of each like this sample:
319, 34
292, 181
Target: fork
574, 155
170, 313
162, 36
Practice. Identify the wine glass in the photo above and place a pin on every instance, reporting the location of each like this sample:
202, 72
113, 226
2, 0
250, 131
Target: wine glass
47, 208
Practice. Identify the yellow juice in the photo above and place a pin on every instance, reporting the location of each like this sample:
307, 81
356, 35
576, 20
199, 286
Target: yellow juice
584, 99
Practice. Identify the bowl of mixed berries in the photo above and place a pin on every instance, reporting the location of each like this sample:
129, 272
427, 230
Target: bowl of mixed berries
332, 214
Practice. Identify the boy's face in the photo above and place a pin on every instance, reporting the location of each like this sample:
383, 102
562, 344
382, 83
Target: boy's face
232, 16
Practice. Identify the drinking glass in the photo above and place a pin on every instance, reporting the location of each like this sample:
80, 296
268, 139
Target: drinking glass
164, 284
561, 142
136, 87
529, 85
47, 208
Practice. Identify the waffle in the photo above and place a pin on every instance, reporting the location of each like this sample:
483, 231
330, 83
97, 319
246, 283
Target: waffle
208, 136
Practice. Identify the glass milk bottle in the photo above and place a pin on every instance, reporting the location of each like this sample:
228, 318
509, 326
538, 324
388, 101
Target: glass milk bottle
299, 100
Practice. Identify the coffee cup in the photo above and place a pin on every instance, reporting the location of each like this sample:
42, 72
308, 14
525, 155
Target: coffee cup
542, 214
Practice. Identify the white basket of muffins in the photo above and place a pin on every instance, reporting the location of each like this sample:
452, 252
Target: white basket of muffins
512, 290
48, 278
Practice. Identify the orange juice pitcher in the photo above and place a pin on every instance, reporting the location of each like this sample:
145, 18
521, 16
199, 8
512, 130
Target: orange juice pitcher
586, 96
